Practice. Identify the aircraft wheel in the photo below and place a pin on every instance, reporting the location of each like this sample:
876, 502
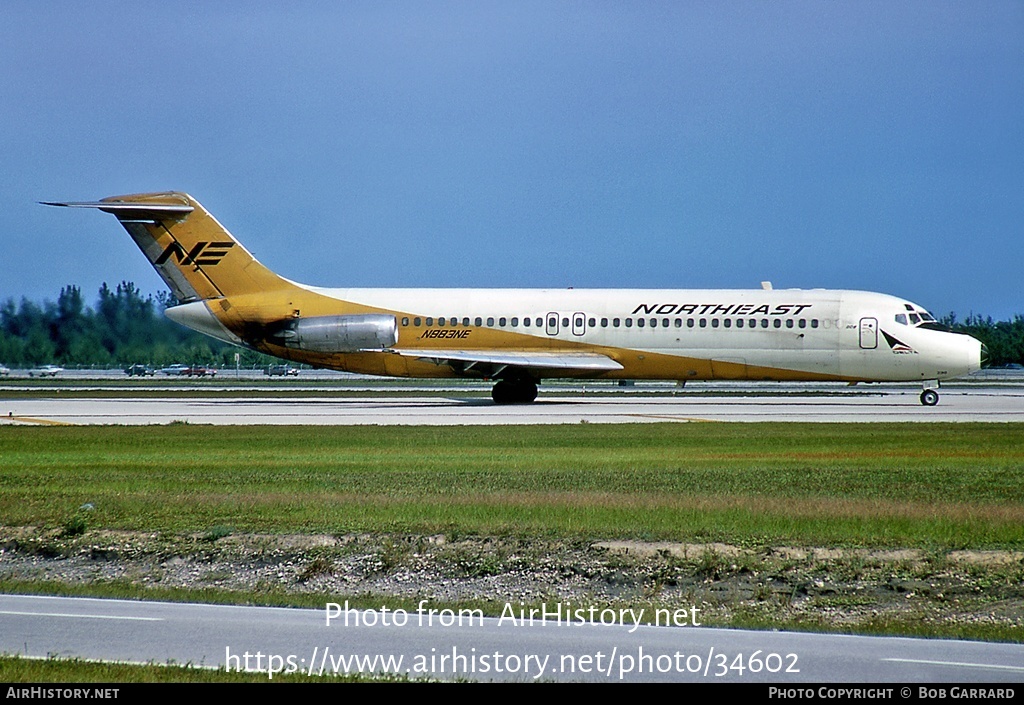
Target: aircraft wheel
527, 391
502, 393
929, 397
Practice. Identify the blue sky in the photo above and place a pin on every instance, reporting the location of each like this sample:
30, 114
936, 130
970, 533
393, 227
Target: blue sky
862, 145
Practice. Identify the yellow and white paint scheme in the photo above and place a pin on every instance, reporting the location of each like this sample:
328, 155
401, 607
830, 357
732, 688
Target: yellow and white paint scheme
518, 337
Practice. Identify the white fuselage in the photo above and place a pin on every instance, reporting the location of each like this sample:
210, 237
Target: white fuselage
849, 335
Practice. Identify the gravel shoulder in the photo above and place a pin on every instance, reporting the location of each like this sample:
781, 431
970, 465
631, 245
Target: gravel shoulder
947, 593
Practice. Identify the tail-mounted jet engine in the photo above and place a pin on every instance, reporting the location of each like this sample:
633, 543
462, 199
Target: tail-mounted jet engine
338, 334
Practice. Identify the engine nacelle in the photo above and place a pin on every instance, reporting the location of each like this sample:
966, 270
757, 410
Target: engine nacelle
339, 334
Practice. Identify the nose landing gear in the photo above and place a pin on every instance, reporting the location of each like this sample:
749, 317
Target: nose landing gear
930, 397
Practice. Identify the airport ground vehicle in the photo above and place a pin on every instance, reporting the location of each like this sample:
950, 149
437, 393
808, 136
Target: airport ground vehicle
45, 371
281, 371
518, 337
179, 370
139, 371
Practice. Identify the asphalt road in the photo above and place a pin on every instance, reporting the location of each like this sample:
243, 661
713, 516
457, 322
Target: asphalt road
511, 649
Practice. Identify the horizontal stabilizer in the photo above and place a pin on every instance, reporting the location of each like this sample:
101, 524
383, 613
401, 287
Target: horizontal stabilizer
128, 210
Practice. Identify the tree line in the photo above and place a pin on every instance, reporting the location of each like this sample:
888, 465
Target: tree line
125, 328
122, 328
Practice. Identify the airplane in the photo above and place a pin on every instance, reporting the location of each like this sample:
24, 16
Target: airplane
518, 337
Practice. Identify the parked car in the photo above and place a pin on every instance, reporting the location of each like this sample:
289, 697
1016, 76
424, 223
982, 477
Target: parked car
4, 371
45, 371
177, 370
281, 371
200, 371
139, 371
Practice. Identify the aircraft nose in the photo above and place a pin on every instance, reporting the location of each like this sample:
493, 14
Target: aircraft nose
977, 354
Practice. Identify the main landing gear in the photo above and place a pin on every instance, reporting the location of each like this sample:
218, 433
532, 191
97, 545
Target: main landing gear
930, 397
514, 390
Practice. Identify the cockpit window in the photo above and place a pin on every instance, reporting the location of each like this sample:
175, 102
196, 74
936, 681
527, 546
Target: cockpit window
917, 316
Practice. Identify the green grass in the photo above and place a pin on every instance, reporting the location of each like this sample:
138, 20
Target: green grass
14, 669
936, 487
944, 485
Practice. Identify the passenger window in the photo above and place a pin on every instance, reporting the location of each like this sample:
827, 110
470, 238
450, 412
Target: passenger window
639, 323
604, 322
405, 321
430, 321
714, 323
664, 323
689, 323
440, 321
540, 322
629, 323
478, 322
417, 321
739, 322
501, 322
565, 323
727, 323
703, 323
679, 323
490, 321
526, 322
592, 322
814, 323
803, 323
465, 321
789, 323
515, 322
615, 323
777, 323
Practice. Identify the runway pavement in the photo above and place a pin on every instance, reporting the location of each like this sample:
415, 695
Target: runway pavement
989, 404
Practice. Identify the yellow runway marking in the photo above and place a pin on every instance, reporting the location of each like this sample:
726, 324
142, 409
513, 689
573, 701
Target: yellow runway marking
675, 418
29, 419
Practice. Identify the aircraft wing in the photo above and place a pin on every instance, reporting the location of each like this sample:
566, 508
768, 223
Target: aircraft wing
492, 362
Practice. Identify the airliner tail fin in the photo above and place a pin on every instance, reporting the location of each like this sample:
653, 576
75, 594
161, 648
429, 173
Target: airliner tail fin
193, 253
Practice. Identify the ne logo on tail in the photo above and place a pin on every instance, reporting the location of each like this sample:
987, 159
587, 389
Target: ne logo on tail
204, 254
